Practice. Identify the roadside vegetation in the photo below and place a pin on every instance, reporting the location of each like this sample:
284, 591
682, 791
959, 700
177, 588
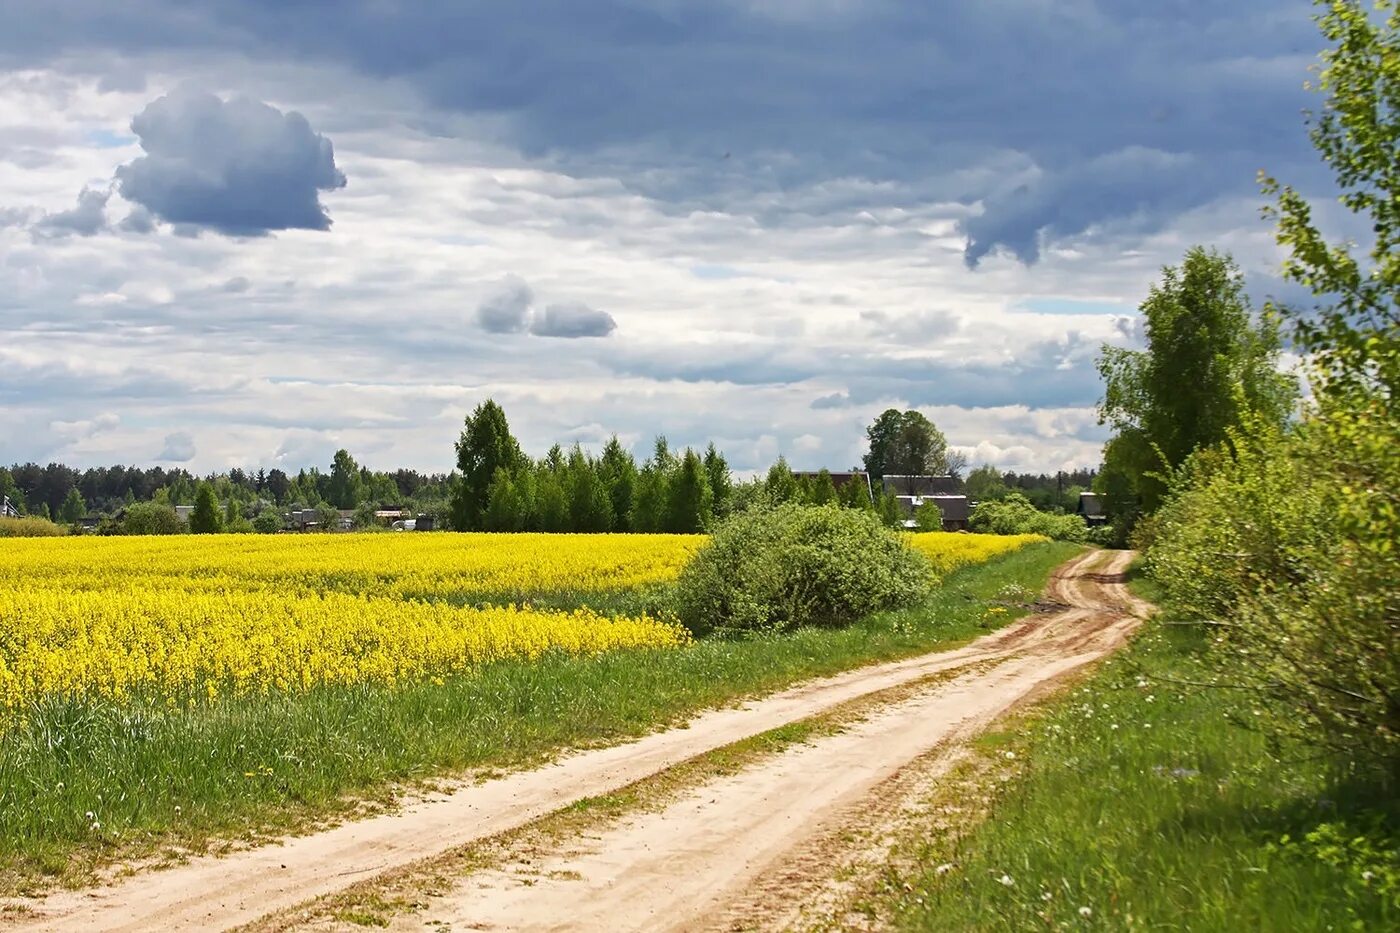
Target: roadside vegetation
1238, 768
1140, 800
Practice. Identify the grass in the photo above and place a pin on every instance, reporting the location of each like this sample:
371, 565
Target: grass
1142, 803
82, 786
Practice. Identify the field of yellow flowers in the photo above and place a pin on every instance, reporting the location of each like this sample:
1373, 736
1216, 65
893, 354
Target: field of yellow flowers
948, 551
185, 621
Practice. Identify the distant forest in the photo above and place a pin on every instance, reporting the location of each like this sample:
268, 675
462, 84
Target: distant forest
43, 490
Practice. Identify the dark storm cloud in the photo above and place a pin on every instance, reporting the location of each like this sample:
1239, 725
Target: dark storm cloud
573, 319
238, 167
1055, 118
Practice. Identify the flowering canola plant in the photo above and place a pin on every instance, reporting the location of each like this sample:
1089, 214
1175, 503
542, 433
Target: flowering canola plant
191, 619
948, 550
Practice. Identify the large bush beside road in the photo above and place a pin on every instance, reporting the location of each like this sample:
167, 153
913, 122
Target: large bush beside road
796, 565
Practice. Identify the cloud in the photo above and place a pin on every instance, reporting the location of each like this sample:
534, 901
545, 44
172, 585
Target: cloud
87, 219
510, 310
179, 448
507, 311
574, 319
1038, 113
138, 221
239, 167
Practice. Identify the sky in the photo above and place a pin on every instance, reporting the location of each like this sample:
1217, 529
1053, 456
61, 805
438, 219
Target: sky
251, 232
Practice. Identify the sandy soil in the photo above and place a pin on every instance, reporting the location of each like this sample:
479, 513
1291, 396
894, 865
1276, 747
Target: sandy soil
673, 869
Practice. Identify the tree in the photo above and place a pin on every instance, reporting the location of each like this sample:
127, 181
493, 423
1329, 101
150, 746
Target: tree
985, 482
232, 513
343, 491
150, 518
278, 485
721, 483
823, 488
485, 446
590, 506
73, 508
204, 520
618, 471
780, 484
928, 516
855, 494
509, 506
267, 522
1206, 364
551, 501
905, 444
690, 503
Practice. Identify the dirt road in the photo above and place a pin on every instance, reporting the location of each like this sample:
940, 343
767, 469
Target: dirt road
676, 868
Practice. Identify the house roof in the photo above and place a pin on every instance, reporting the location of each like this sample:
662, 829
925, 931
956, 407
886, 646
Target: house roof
920, 485
954, 508
1091, 503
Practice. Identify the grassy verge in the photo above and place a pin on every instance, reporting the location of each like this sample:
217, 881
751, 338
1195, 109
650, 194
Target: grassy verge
1142, 803
82, 786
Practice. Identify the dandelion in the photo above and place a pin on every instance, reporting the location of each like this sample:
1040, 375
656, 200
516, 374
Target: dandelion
943, 869
1006, 880
1045, 895
90, 816
1010, 756
1367, 876
1085, 912
1150, 698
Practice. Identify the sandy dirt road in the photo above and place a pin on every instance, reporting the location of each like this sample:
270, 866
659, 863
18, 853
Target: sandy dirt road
672, 869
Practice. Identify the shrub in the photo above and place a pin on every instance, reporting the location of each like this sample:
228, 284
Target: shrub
1014, 515
151, 518
267, 522
794, 565
29, 526
1288, 541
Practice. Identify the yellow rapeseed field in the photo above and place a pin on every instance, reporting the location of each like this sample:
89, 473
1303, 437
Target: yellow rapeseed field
189, 620
948, 551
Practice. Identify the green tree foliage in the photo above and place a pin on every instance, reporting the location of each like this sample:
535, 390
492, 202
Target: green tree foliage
150, 518
73, 508
891, 515
855, 494
795, 565
510, 502
1288, 538
690, 502
267, 522
823, 489
721, 483
1013, 514
985, 482
551, 499
590, 504
618, 470
905, 444
1207, 362
485, 446
928, 516
204, 520
780, 484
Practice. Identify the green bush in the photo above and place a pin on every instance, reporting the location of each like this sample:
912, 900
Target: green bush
1289, 542
795, 565
151, 518
30, 526
267, 522
1014, 515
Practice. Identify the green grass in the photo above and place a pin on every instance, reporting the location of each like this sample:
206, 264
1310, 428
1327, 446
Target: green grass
162, 781
1143, 804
